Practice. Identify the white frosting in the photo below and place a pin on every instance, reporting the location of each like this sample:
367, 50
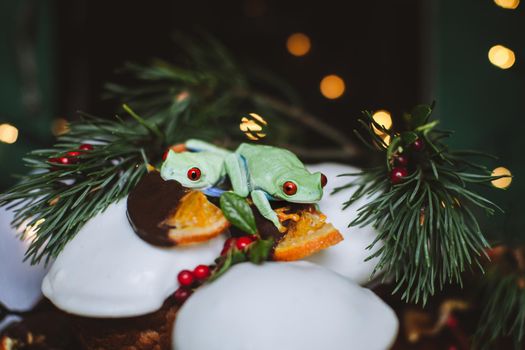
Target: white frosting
19, 281
108, 271
347, 257
292, 306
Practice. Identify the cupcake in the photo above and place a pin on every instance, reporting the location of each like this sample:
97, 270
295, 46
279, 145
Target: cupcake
130, 278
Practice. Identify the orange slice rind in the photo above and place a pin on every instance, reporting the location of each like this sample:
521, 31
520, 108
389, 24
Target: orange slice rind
310, 234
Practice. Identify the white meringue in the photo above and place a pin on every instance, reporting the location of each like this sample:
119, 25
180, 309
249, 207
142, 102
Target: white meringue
347, 257
19, 281
292, 306
106, 270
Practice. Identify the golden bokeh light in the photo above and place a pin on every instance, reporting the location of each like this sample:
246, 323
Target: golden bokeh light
386, 138
501, 56
298, 44
503, 182
8, 133
382, 118
60, 126
253, 127
332, 86
507, 4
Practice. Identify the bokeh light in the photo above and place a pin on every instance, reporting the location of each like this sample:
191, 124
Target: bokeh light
503, 182
501, 56
332, 86
507, 4
60, 126
253, 127
382, 118
8, 133
298, 44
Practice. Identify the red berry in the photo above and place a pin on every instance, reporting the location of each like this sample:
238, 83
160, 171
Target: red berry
398, 174
185, 278
418, 145
53, 160
65, 160
73, 153
201, 272
452, 322
401, 160
243, 242
85, 147
228, 244
181, 295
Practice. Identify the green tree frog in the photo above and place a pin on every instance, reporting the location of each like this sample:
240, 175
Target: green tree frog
263, 172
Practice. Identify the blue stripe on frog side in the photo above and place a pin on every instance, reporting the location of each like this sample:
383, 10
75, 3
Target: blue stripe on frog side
213, 191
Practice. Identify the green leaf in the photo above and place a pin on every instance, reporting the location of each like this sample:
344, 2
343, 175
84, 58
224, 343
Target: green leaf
238, 212
420, 114
224, 263
260, 250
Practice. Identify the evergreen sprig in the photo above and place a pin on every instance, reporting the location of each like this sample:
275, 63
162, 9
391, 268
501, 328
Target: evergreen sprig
428, 233
54, 200
502, 300
215, 89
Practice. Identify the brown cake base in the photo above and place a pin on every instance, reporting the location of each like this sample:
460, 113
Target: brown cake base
47, 328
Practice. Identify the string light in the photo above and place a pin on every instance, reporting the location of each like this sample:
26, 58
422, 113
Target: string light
332, 86
253, 127
507, 4
298, 44
382, 118
8, 133
501, 56
60, 126
503, 182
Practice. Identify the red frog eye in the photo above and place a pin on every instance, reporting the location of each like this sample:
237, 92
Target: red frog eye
194, 174
290, 188
324, 180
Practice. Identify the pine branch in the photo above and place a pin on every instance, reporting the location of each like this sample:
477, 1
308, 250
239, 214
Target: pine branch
217, 89
425, 217
502, 301
58, 197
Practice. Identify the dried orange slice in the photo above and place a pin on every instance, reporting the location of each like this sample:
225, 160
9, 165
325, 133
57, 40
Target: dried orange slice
306, 236
195, 220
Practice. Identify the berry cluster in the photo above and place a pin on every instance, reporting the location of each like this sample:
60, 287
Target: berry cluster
401, 162
190, 280
71, 157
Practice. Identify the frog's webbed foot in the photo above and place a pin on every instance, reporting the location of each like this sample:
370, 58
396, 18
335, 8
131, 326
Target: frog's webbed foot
283, 216
263, 205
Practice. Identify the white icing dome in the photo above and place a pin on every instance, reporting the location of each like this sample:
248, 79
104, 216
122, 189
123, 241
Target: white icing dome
348, 256
108, 271
19, 281
289, 306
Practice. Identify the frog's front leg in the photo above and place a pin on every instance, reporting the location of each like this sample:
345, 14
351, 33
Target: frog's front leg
238, 174
262, 204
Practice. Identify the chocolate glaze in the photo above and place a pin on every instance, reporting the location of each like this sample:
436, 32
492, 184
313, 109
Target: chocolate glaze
150, 203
